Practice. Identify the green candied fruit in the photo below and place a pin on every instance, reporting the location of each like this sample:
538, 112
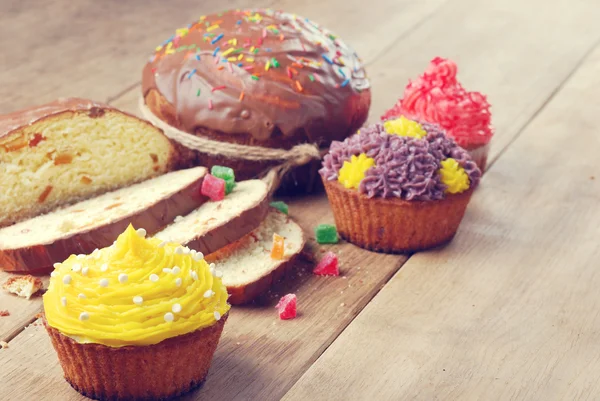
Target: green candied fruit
226, 174
223, 172
229, 185
326, 234
281, 206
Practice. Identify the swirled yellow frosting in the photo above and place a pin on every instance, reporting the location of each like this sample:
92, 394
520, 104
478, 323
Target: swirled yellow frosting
353, 171
136, 292
454, 176
404, 127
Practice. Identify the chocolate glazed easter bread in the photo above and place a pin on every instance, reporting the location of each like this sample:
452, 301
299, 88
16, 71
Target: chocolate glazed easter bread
258, 78
73, 149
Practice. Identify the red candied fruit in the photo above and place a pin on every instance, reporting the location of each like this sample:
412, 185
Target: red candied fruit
328, 266
287, 307
213, 187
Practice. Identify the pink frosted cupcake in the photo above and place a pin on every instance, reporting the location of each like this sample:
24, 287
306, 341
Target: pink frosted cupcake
437, 97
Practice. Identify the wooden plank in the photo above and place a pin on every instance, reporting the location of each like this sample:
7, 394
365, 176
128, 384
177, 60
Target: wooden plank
86, 48
505, 49
369, 30
392, 13
509, 311
22, 311
97, 52
260, 357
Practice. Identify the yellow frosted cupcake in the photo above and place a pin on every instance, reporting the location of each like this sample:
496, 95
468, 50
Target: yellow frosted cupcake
139, 320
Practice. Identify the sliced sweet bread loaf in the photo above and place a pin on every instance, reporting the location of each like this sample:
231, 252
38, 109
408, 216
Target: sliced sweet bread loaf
217, 224
247, 266
38, 243
73, 149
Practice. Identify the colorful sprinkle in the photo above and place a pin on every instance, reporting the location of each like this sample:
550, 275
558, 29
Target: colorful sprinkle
345, 83
212, 28
197, 94
326, 58
299, 86
241, 96
215, 40
191, 73
210, 104
218, 88
216, 51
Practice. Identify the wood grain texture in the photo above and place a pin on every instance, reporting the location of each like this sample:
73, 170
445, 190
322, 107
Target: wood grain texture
22, 311
509, 311
260, 357
509, 50
86, 48
369, 30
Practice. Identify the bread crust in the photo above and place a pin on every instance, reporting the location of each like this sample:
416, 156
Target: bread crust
12, 124
232, 230
40, 258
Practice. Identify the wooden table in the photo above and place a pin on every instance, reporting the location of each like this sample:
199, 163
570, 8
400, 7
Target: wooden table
509, 310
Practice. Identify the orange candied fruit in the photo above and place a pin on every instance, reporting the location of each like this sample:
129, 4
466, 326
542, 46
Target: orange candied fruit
277, 250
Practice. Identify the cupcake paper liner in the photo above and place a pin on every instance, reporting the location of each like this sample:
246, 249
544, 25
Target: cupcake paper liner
480, 155
395, 225
154, 372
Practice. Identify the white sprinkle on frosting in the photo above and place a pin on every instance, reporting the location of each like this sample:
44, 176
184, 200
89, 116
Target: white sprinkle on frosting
141, 232
67, 279
186, 250
80, 256
56, 265
178, 282
63, 301
153, 278
194, 275
76, 267
198, 256
218, 274
176, 308
212, 266
208, 293
169, 317
104, 267
162, 244
123, 278
85, 270
166, 270
53, 274
176, 270
103, 282
84, 316
81, 296
217, 315
179, 251
138, 300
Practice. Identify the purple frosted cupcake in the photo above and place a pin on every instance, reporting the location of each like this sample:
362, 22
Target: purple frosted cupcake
399, 186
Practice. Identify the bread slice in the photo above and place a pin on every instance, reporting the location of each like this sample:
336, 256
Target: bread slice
247, 267
23, 286
73, 149
38, 243
217, 224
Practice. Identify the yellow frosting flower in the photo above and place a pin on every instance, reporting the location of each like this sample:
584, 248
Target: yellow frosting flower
404, 127
454, 176
136, 292
353, 171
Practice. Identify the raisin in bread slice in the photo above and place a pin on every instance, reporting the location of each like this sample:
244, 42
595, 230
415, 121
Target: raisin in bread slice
247, 267
217, 224
38, 243
73, 149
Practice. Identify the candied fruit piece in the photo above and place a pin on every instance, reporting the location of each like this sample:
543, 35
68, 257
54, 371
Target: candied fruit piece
328, 265
281, 206
287, 307
213, 187
326, 234
277, 250
227, 174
